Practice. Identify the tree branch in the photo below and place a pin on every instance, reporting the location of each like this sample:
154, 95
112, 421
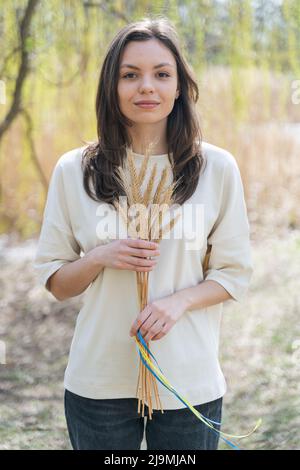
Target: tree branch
34, 156
107, 8
24, 32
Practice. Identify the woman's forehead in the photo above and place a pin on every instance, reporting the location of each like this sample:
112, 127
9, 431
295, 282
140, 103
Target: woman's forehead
135, 53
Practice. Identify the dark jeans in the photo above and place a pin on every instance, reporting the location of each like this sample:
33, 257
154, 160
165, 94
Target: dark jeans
115, 424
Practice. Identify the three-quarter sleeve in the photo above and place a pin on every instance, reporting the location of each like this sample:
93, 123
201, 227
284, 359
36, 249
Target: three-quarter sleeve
230, 262
57, 244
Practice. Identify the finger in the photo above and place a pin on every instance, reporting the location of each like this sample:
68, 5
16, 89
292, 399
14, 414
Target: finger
141, 244
150, 327
153, 331
143, 253
140, 262
161, 333
158, 336
133, 267
140, 320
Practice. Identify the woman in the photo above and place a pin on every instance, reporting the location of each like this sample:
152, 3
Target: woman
183, 315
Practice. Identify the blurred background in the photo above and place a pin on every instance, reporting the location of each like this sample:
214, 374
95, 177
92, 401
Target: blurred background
246, 56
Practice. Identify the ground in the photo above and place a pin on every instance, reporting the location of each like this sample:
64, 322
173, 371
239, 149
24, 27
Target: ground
259, 352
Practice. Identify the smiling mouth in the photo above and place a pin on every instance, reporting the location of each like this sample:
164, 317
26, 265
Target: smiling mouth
147, 105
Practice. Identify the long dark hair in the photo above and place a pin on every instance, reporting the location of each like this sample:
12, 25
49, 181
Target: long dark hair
100, 159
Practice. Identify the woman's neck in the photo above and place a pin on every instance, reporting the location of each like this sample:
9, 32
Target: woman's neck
154, 151
153, 136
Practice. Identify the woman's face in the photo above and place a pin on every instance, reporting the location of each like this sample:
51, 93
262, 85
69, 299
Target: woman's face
145, 81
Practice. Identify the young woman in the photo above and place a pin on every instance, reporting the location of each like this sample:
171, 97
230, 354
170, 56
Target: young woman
144, 63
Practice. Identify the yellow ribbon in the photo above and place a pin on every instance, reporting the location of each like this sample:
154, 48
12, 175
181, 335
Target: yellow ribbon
167, 384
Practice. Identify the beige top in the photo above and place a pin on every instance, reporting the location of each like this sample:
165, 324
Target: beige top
103, 360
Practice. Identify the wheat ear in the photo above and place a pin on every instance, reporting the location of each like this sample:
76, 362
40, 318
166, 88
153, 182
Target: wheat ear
148, 191
143, 169
134, 179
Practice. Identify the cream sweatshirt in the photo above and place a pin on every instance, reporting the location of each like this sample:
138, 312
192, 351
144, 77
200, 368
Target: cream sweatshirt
103, 358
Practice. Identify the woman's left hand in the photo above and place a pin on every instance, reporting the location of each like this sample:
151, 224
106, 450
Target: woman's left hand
157, 318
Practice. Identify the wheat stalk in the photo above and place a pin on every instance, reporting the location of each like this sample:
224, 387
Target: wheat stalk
148, 192
131, 181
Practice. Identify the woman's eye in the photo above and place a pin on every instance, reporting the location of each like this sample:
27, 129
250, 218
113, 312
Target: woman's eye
160, 73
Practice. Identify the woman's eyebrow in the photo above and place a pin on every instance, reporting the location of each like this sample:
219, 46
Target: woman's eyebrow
163, 64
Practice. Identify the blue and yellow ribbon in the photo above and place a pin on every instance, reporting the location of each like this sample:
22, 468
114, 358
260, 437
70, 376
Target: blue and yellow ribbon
144, 352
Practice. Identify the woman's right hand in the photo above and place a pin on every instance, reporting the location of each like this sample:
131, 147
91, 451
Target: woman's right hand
131, 254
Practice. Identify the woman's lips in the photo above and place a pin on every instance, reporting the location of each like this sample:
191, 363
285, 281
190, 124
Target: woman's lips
148, 105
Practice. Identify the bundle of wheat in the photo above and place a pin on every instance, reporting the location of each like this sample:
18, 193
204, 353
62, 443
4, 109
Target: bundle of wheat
147, 226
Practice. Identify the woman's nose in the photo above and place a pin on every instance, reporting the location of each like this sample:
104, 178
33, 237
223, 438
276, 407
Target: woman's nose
146, 84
